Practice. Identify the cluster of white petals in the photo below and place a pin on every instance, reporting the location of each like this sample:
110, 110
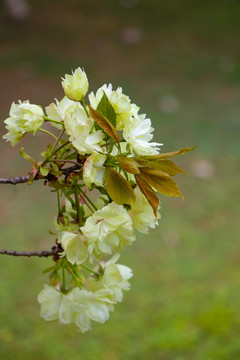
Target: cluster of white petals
121, 103
138, 133
74, 247
77, 306
88, 154
93, 302
59, 110
79, 128
93, 170
115, 277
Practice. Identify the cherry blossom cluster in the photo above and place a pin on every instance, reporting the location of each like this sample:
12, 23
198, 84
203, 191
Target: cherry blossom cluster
106, 173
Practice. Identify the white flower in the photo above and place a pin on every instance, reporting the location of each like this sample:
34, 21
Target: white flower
79, 128
107, 229
138, 133
115, 277
55, 305
74, 247
76, 85
142, 213
91, 306
121, 103
59, 110
93, 171
24, 117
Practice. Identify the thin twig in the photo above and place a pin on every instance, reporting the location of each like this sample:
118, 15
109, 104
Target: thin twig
44, 253
58, 138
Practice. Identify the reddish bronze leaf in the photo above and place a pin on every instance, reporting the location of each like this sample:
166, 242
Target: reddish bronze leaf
119, 188
161, 181
128, 164
167, 166
104, 123
148, 192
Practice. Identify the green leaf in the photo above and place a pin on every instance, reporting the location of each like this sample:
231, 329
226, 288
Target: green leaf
27, 157
54, 166
106, 109
160, 181
119, 188
128, 164
148, 192
49, 269
104, 124
44, 171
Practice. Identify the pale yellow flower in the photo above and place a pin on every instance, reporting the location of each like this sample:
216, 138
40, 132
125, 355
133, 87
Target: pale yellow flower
91, 306
115, 277
74, 247
79, 127
59, 110
108, 229
24, 117
142, 214
55, 305
93, 171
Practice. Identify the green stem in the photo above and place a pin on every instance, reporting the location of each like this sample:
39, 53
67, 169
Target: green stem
92, 271
69, 198
54, 121
79, 216
48, 132
84, 106
59, 203
75, 276
88, 199
63, 280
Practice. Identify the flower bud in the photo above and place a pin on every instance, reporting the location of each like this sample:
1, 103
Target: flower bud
75, 86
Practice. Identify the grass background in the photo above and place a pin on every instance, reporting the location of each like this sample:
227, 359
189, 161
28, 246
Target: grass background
183, 69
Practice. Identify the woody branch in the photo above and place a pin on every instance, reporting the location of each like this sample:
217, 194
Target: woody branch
44, 253
23, 179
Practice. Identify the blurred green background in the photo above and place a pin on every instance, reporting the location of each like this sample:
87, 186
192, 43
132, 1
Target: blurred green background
179, 60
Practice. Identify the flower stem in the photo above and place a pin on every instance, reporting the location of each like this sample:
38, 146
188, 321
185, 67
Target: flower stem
72, 270
63, 280
78, 208
68, 197
91, 270
53, 121
84, 106
48, 132
88, 199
